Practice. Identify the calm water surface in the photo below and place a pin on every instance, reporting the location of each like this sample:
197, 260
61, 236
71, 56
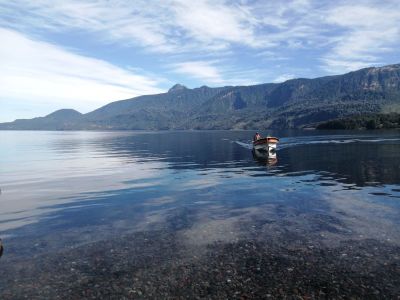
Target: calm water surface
155, 214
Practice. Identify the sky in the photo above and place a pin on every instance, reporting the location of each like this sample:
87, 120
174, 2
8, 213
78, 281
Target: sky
83, 54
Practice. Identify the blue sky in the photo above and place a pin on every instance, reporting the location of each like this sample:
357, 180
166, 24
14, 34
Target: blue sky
84, 54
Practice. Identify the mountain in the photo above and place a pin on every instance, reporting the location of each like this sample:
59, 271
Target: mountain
162, 111
294, 103
177, 87
59, 120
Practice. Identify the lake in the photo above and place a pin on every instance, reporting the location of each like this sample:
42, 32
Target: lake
196, 214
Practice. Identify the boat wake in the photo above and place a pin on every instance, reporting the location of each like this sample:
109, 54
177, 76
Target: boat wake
315, 140
245, 145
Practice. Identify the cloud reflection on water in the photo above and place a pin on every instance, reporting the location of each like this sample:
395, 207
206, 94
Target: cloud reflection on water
129, 171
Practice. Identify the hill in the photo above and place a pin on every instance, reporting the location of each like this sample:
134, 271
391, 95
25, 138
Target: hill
295, 103
59, 120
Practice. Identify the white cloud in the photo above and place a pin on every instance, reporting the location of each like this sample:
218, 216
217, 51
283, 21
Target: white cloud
194, 37
367, 32
216, 72
202, 70
128, 22
213, 22
269, 55
159, 26
283, 77
169, 26
41, 73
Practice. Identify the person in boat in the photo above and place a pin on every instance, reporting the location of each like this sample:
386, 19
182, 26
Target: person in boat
256, 137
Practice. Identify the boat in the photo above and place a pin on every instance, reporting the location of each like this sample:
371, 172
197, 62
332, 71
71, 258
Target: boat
267, 144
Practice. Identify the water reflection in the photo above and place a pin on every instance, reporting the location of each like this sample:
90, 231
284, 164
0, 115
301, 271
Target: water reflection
41, 170
264, 158
1, 248
152, 195
361, 159
359, 163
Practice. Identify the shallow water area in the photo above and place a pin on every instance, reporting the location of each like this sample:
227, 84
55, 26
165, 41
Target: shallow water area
197, 214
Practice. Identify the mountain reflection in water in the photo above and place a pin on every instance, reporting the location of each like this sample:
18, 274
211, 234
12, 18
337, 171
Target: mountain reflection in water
170, 211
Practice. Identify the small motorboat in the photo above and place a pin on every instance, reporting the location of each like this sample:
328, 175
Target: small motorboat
267, 144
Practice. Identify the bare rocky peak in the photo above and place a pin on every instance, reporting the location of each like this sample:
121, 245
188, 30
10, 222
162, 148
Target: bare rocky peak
177, 87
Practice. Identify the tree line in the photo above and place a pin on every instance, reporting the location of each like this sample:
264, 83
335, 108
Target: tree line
368, 121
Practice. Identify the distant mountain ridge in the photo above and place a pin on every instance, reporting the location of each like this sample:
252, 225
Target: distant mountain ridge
294, 103
59, 120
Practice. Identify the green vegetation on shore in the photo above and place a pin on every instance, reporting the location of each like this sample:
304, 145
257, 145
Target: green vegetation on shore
369, 121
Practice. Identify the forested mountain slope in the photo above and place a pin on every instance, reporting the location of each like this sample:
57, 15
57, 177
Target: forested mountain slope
291, 104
